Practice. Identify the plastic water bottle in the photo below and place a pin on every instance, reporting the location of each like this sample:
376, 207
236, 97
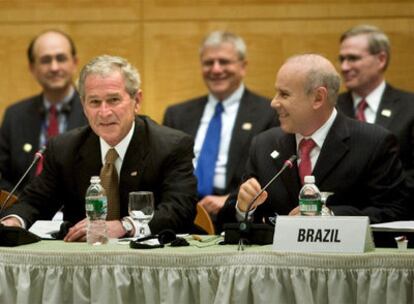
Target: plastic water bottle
310, 198
96, 210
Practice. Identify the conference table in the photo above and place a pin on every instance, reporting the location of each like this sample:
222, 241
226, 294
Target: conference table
204, 272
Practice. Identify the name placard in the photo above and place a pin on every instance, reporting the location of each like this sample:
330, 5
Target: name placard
323, 234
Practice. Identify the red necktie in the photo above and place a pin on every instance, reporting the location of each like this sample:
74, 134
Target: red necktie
305, 166
53, 124
360, 111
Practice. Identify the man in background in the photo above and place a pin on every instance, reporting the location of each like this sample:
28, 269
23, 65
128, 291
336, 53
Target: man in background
28, 124
223, 122
364, 55
357, 162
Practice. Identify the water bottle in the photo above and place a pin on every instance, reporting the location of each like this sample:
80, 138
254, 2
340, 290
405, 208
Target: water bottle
96, 210
310, 198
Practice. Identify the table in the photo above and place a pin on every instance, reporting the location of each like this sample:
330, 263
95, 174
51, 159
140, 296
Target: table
58, 272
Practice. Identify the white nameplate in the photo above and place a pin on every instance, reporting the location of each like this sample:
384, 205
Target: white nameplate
323, 234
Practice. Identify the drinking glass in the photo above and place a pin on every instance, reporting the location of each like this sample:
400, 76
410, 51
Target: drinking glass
141, 208
325, 211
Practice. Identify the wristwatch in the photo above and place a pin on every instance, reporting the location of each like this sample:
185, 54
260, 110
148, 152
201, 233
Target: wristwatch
127, 226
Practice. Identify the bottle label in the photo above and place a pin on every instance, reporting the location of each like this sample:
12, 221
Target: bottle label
96, 205
310, 205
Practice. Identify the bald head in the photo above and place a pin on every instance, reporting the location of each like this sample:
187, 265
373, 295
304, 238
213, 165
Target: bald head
317, 71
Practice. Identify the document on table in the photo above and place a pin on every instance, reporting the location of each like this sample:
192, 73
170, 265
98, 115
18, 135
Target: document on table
44, 229
403, 226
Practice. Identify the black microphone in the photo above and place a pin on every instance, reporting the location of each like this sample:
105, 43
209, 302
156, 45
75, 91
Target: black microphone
15, 236
287, 164
37, 157
254, 233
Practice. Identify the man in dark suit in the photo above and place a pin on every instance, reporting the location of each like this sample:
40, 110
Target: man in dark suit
364, 55
26, 124
358, 162
223, 63
149, 157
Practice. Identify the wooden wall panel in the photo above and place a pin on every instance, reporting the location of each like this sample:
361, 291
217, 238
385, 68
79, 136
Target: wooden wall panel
162, 37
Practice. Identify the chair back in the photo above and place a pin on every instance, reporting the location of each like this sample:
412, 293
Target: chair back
203, 220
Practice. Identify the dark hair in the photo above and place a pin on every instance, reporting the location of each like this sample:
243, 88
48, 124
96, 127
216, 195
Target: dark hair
30, 54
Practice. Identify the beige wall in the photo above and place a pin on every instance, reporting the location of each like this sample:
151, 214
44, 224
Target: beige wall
161, 37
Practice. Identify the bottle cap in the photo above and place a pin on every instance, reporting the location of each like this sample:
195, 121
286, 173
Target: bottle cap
309, 179
95, 179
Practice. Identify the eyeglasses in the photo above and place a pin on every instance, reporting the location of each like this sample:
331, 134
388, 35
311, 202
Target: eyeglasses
349, 58
221, 62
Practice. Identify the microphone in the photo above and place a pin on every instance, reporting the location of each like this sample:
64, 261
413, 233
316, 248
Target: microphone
255, 233
15, 236
37, 157
287, 164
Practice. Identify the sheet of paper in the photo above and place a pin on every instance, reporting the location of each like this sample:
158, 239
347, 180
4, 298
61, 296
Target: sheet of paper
405, 226
45, 228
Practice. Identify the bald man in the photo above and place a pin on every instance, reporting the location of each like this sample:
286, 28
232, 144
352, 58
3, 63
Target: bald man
358, 162
29, 123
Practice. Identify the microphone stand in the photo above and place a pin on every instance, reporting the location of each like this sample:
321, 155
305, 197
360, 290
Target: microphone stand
246, 227
14, 236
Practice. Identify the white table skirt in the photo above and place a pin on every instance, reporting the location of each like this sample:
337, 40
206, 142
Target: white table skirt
57, 272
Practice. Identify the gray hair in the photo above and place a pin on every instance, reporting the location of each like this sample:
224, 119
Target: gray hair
378, 41
320, 72
217, 38
104, 66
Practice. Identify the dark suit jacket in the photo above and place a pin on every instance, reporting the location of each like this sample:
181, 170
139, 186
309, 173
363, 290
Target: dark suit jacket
253, 109
22, 124
358, 162
401, 121
158, 159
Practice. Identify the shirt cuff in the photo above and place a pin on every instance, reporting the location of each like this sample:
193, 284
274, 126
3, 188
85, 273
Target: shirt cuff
137, 226
22, 222
241, 215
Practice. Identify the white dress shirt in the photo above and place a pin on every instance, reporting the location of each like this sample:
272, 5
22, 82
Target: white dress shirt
228, 119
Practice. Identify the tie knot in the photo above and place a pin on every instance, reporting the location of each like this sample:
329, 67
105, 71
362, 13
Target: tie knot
111, 156
219, 109
306, 145
52, 110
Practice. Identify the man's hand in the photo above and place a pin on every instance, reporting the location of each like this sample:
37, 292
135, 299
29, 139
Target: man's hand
77, 233
248, 190
213, 203
11, 221
295, 211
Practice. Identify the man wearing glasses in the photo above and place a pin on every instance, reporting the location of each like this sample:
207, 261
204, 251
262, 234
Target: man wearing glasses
364, 56
223, 122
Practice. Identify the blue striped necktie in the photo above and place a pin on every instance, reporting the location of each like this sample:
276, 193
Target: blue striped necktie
208, 155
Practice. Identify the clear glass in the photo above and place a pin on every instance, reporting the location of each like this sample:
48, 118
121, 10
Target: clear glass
325, 211
141, 208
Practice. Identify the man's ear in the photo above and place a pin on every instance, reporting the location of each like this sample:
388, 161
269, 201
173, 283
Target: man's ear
382, 59
138, 100
321, 97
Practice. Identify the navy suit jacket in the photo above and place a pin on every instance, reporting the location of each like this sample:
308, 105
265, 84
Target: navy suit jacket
22, 124
158, 159
254, 110
401, 122
358, 162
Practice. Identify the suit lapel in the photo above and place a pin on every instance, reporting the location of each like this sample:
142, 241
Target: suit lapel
241, 134
88, 162
290, 178
387, 107
193, 117
333, 150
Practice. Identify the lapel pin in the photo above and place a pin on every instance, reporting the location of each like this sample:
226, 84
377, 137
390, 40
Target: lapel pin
274, 154
247, 126
386, 113
134, 173
27, 147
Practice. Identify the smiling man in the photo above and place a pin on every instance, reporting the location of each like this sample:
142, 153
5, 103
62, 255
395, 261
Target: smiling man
356, 161
223, 122
28, 124
150, 157
364, 56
